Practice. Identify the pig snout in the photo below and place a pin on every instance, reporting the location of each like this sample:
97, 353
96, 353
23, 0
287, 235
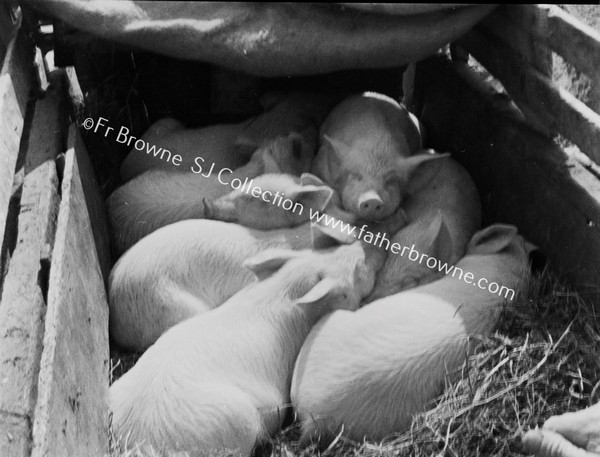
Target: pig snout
370, 205
220, 209
371, 199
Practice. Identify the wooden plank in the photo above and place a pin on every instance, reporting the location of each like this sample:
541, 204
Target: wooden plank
71, 415
75, 93
575, 41
18, 67
22, 305
557, 108
94, 201
40, 71
554, 30
15, 82
514, 25
522, 176
408, 84
14, 436
10, 20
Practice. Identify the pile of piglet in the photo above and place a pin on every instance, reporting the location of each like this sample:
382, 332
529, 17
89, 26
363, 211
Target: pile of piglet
246, 312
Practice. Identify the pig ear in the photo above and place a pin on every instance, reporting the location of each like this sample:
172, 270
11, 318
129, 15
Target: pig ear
438, 239
336, 144
269, 165
328, 156
316, 197
324, 236
419, 127
530, 247
493, 239
268, 262
409, 164
262, 162
310, 179
323, 291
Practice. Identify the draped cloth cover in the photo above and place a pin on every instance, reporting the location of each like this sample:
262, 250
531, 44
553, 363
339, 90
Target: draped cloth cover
274, 39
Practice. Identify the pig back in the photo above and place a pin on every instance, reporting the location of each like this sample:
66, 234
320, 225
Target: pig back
361, 117
445, 186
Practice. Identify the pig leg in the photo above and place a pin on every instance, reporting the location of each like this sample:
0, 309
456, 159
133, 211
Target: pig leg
139, 327
175, 305
567, 435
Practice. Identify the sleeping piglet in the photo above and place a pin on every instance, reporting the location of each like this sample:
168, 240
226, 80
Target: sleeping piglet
231, 145
370, 371
442, 190
160, 197
219, 383
366, 153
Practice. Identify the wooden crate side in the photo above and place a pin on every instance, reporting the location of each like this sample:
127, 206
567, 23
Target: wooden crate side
15, 436
18, 67
513, 24
94, 201
71, 415
523, 177
549, 28
22, 304
15, 84
534, 92
22, 307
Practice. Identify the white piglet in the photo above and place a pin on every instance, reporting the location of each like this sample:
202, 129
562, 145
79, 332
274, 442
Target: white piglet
160, 197
229, 145
219, 383
192, 266
372, 370
366, 147
441, 189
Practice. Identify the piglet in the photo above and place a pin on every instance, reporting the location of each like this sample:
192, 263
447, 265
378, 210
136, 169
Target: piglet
160, 197
190, 267
372, 370
231, 145
193, 266
366, 153
442, 189
219, 383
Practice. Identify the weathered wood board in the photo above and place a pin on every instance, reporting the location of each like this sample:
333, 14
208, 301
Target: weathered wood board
15, 83
523, 177
532, 91
71, 415
22, 303
94, 201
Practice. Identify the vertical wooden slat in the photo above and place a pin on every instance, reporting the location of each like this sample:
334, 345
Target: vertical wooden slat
523, 177
22, 305
15, 436
15, 83
94, 201
71, 415
560, 111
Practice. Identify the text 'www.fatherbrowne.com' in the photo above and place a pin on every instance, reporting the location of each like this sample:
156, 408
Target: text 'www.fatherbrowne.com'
382, 241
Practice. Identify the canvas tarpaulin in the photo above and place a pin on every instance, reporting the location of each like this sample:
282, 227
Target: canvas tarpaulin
273, 39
